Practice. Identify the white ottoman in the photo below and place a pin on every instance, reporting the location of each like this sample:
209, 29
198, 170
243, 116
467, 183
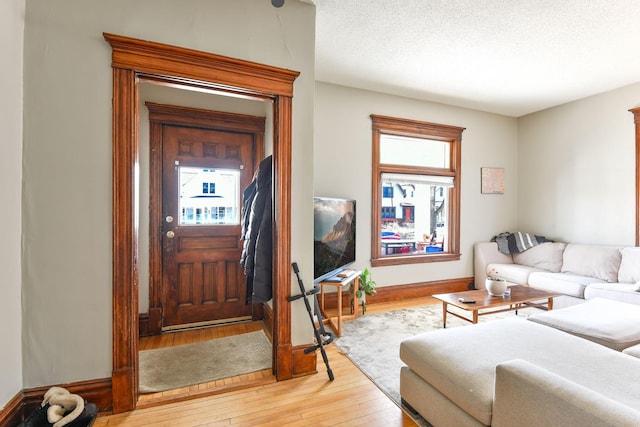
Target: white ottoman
610, 323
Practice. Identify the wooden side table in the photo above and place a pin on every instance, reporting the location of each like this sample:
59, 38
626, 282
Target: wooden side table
336, 321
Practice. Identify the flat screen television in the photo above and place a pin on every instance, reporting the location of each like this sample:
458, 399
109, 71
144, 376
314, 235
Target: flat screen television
334, 236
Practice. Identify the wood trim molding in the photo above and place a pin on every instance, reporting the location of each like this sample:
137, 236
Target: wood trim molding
143, 325
267, 319
125, 240
25, 402
133, 59
207, 119
407, 291
282, 238
14, 411
155, 223
410, 127
636, 120
96, 391
150, 323
304, 364
420, 290
199, 69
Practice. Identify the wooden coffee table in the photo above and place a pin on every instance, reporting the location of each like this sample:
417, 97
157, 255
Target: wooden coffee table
520, 295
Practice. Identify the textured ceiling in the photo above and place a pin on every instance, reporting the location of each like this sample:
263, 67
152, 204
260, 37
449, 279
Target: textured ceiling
510, 57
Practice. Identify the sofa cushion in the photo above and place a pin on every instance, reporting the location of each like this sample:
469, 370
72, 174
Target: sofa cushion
564, 283
514, 273
623, 292
528, 395
460, 362
545, 256
601, 262
430, 403
606, 322
629, 265
633, 351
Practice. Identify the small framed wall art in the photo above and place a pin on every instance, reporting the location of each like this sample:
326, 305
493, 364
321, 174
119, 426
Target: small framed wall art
492, 180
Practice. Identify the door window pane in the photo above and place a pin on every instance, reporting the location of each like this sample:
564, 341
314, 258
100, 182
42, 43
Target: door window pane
209, 196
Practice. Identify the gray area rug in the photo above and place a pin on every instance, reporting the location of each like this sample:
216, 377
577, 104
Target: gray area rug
372, 342
183, 365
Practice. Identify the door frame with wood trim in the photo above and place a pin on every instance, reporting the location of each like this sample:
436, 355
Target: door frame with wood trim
133, 61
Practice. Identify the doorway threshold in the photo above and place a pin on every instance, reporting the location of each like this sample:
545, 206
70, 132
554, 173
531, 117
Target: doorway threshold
225, 385
206, 324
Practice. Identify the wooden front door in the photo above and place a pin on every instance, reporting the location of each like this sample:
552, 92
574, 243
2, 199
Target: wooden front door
203, 174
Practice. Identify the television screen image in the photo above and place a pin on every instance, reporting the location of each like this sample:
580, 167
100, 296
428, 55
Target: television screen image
334, 236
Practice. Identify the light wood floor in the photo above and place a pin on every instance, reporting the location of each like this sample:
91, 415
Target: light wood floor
258, 400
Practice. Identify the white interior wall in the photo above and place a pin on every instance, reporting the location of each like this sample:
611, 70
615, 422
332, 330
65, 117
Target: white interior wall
11, 44
342, 168
67, 157
577, 170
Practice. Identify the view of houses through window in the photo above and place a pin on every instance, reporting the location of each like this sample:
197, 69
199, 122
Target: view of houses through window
209, 196
414, 214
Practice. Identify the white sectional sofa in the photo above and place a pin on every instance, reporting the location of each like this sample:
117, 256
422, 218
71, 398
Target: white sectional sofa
514, 372
578, 271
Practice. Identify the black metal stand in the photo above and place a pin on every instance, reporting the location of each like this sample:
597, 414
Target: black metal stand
322, 336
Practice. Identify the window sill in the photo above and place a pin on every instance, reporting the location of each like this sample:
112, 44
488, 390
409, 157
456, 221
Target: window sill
414, 259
